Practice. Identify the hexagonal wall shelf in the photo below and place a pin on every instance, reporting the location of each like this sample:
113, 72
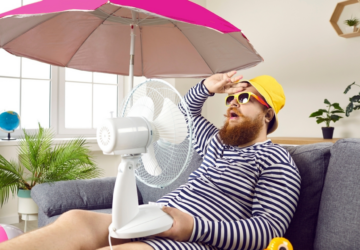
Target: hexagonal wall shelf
336, 15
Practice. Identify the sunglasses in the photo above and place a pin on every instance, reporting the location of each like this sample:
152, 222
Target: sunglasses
244, 97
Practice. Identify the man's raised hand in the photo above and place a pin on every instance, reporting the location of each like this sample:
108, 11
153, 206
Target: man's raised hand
224, 83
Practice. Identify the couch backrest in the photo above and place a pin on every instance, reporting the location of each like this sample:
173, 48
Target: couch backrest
312, 161
338, 224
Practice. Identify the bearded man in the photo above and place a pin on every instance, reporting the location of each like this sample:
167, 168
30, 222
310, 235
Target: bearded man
244, 193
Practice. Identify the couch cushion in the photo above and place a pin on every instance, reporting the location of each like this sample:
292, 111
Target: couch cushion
338, 224
312, 161
59, 197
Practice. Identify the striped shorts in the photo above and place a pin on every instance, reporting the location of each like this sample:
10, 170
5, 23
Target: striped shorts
159, 243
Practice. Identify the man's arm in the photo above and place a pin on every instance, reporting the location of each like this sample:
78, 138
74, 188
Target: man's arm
203, 130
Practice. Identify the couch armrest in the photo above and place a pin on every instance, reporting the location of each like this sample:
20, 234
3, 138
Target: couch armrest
59, 197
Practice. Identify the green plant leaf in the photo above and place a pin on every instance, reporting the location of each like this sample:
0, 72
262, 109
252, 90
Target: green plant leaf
336, 106
335, 118
348, 88
11, 185
349, 108
320, 120
355, 98
337, 111
71, 161
357, 107
327, 102
353, 21
45, 164
318, 113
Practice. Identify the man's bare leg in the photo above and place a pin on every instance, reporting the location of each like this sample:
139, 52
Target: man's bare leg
73, 230
130, 246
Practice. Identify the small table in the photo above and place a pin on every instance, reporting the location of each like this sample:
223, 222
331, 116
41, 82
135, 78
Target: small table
300, 140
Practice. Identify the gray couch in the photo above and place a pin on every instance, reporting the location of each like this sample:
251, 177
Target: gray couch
327, 216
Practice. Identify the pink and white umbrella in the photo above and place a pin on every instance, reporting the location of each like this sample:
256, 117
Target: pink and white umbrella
175, 38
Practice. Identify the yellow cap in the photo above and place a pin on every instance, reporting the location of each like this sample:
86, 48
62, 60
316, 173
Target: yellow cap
273, 93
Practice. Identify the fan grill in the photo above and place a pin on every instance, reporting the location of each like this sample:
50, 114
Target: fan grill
173, 159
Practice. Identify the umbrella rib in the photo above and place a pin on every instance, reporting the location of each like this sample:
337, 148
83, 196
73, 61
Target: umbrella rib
31, 29
193, 46
89, 36
243, 45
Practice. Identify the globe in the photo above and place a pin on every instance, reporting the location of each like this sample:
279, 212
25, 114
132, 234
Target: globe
9, 121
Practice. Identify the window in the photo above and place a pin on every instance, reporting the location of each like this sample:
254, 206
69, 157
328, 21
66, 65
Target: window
25, 87
70, 101
86, 98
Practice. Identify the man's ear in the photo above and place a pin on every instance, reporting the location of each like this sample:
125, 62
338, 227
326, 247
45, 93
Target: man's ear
269, 115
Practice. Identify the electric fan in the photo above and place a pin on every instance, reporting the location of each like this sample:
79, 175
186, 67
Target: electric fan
154, 139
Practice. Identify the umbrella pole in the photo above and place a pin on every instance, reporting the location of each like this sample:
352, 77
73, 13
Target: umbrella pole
132, 50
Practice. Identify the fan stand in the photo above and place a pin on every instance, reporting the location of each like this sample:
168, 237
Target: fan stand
129, 220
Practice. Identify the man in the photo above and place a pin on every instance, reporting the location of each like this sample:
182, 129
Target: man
244, 193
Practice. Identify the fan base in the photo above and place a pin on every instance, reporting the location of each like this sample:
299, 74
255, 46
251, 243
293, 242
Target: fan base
149, 221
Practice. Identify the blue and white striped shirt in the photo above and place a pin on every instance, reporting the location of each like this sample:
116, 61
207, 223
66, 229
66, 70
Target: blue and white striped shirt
240, 198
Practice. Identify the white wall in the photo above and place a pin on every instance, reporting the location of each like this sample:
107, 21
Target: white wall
303, 52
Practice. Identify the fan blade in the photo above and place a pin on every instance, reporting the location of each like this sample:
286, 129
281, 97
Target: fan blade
144, 106
171, 124
150, 163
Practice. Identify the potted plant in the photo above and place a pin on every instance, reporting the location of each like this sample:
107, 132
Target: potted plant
354, 99
43, 163
329, 116
351, 23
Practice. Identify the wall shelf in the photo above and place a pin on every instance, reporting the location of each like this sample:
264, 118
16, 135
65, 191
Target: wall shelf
336, 15
301, 140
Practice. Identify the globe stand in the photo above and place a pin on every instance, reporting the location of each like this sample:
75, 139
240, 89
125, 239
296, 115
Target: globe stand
9, 138
9, 121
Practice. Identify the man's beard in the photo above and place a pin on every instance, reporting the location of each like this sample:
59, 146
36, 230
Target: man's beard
243, 132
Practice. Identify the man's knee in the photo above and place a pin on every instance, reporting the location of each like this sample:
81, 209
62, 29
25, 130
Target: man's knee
89, 228
73, 217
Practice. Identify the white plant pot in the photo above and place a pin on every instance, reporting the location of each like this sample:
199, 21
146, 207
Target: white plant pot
351, 29
26, 206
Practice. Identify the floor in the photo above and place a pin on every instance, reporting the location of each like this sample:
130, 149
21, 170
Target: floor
31, 225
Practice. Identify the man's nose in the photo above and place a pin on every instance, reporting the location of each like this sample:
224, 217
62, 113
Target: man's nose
234, 103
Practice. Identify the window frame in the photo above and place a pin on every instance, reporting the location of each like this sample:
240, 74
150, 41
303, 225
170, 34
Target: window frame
66, 132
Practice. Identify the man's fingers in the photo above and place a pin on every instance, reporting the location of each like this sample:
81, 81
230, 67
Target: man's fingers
170, 211
231, 73
234, 90
240, 85
223, 83
236, 79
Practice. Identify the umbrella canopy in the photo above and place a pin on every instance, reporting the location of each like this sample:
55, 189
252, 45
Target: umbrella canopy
172, 38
